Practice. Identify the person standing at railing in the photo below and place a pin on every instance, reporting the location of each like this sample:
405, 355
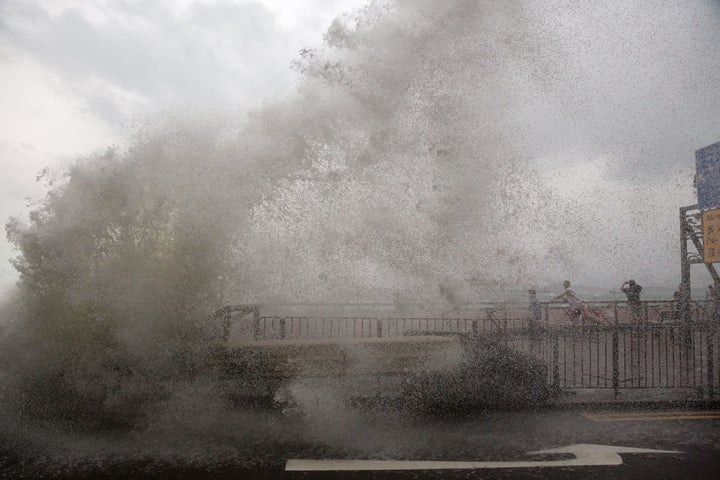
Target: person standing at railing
632, 291
534, 311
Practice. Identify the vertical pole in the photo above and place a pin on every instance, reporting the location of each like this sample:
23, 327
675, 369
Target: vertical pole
256, 323
379, 327
227, 317
711, 330
684, 264
615, 360
505, 318
556, 364
615, 313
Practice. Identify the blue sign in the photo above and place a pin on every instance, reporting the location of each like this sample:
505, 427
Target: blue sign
707, 176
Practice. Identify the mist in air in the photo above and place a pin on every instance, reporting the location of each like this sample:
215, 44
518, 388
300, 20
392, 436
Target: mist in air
433, 152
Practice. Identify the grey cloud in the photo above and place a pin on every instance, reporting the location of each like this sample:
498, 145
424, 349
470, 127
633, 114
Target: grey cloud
252, 19
634, 80
151, 52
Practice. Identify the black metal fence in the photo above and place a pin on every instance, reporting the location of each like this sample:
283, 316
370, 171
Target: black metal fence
658, 348
249, 323
647, 356
363, 327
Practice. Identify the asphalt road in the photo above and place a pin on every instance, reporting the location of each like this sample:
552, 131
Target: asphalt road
500, 443
487, 446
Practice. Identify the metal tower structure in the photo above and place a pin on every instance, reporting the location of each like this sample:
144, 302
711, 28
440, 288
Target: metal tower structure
700, 224
692, 249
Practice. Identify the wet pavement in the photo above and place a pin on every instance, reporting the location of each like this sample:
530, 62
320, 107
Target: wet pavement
488, 446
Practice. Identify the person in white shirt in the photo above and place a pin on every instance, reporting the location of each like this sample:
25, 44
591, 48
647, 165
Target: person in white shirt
568, 296
577, 308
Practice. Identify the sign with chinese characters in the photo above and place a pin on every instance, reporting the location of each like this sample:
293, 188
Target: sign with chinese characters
707, 176
711, 235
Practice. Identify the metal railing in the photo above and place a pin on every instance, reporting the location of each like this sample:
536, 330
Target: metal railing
248, 323
670, 355
663, 347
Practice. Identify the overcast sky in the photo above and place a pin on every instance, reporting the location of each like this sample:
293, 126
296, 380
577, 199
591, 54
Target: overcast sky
75, 76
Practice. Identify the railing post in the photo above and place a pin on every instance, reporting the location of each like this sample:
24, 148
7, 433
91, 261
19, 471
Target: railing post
556, 364
227, 317
379, 327
710, 360
615, 312
505, 317
256, 323
282, 328
615, 360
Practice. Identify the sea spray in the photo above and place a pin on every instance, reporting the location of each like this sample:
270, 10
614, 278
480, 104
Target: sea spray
389, 176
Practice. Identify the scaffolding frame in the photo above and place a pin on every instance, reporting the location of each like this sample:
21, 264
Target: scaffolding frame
691, 232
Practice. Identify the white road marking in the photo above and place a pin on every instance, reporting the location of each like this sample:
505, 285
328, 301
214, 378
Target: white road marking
585, 455
650, 416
